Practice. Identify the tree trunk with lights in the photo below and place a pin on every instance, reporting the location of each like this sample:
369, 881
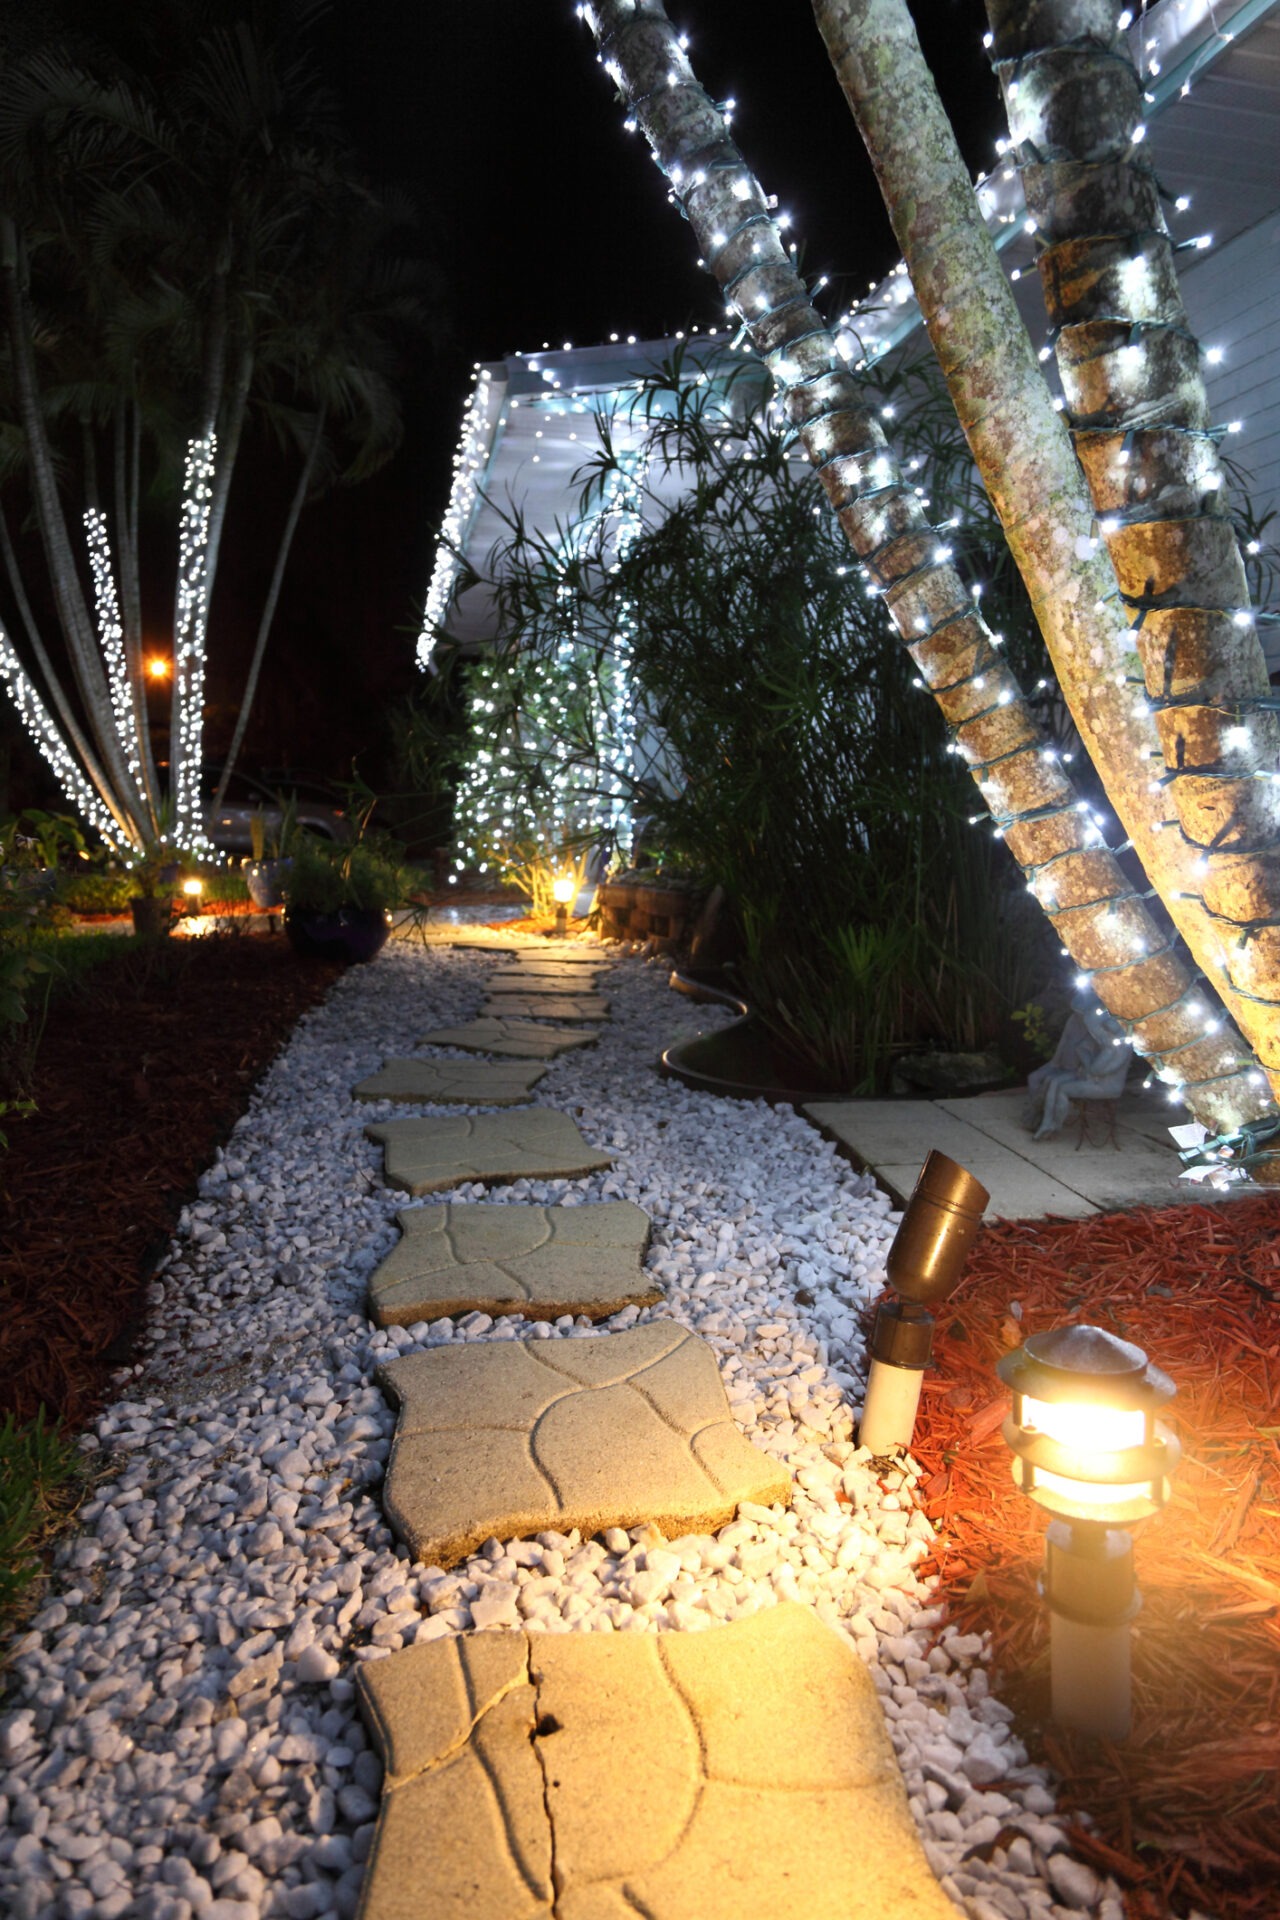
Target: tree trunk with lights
1130, 370
1020, 445
1044, 822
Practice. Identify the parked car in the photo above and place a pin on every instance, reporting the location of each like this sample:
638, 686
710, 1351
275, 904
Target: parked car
229, 826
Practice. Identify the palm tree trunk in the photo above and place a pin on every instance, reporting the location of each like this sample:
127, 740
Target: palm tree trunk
269, 605
126, 467
1020, 445
1104, 926
71, 728
73, 614
198, 565
1130, 370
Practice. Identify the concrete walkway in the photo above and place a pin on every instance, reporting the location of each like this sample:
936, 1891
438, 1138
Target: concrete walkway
1025, 1177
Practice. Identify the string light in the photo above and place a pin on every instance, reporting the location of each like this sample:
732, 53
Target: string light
189, 646
468, 465
111, 638
43, 729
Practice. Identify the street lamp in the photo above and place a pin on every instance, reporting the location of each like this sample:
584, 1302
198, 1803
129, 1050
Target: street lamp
924, 1265
1088, 1449
563, 890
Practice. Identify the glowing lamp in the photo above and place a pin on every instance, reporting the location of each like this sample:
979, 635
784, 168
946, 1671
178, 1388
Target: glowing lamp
1088, 1449
925, 1263
563, 890
158, 667
193, 888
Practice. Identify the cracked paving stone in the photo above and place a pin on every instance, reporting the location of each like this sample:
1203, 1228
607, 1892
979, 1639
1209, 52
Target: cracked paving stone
548, 1006
537, 1261
499, 1439
539, 1143
516, 1039
741, 1773
467, 1083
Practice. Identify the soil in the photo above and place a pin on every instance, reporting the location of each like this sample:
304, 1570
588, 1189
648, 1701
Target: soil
141, 1072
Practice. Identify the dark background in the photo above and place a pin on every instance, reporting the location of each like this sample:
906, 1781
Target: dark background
540, 219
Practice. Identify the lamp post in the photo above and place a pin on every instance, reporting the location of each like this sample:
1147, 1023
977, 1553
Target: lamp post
924, 1265
562, 892
1088, 1449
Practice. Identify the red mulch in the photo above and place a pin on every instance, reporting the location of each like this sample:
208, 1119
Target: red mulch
1187, 1811
141, 1072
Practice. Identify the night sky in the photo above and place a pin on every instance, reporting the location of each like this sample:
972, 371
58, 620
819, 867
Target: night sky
542, 219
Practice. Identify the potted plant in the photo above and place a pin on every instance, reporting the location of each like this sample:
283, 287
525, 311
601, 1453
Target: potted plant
265, 871
154, 875
338, 899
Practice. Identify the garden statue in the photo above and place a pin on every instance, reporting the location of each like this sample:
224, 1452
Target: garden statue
1091, 1062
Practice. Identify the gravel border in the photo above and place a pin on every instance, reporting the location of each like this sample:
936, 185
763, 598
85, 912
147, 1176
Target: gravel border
180, 1737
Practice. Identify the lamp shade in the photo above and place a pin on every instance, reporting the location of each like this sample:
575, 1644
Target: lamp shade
1083, 1431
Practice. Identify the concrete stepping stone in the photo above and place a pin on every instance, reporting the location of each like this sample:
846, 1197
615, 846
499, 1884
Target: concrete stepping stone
503, 1438
517, 1039
742, 1773
538, 1261
422, 1156
528, 982
522, 967
467, 1083
548, 1006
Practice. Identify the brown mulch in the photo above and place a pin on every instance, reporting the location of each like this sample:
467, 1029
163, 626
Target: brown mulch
1187, 1811
141, 1072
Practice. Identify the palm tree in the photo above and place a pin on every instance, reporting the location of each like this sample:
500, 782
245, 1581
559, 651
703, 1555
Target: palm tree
1026, 790
1025, 457
184, 254
1131, 373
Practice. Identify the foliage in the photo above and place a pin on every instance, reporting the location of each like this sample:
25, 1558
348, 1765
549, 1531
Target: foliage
776, 742
368, 874
38, 1464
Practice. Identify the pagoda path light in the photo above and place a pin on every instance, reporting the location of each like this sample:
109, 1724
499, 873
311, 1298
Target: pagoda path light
563, 890
925, 1263
1087, 1448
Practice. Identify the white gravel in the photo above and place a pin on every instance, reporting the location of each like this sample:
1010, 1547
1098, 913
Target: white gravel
179, 1738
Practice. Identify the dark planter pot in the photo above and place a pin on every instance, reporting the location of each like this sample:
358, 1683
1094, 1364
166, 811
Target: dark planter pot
265, 880
350, 934
152, 915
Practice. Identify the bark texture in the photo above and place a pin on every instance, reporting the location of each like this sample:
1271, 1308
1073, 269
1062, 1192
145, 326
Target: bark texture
1102, 924
1020, 445
1136, 401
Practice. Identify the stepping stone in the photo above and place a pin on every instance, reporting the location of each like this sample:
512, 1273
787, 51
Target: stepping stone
523, 968
468, 1083
519, 1039
422, 1156
548, 1006
524, 980
742, 1773
538, 1261
504, 1438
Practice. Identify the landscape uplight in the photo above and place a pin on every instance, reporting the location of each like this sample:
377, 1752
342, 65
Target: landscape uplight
924, 1265
193, 888
159, 666
1088, 1449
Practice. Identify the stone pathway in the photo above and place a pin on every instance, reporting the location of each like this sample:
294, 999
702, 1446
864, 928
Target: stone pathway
548, 1006
529, 983
427, 1155
465, 1083
516, 1039
739, 1774
1025, 1177
509, 1438
543, 1262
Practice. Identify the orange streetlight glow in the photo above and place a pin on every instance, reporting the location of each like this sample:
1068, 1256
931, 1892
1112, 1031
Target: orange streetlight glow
158, 667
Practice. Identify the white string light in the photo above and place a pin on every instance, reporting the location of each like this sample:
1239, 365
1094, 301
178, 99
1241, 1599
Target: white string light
111, 638
189, 645
468, 464
43, 729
